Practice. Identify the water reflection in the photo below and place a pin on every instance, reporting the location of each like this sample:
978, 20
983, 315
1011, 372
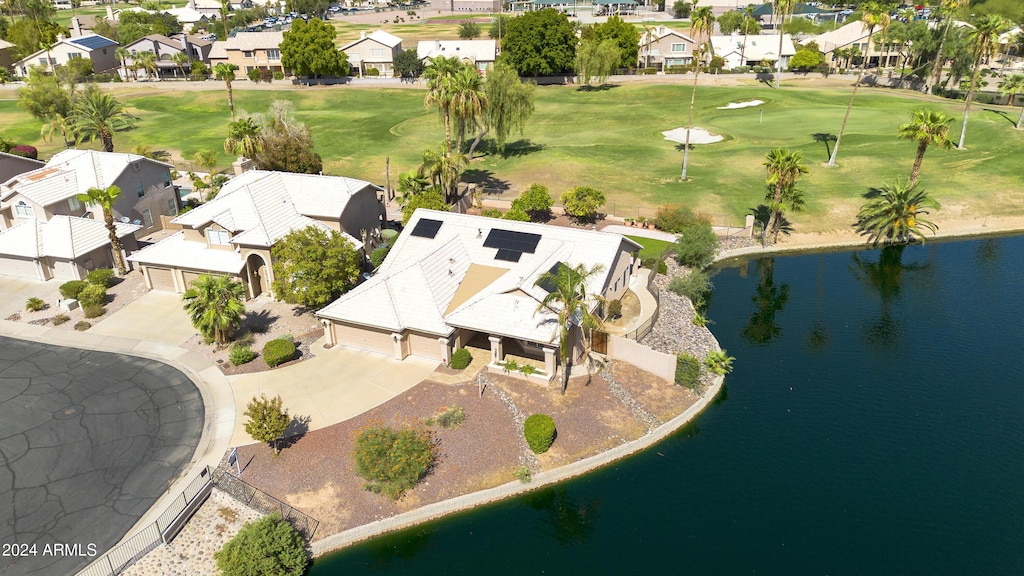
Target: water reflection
885, 277
569, 521
768, 300
404, 546
818, 335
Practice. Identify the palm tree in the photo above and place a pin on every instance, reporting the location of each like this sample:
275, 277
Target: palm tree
782, 8
892, 214
1013, 86
122, 54
146, 60
927, 127
701, 24
948, 8
214, 305
104, 198
440, 75
983, 40
99, 115
148, 152
244, 138
181, 59
875, 15
444, 169
226, 72
469, 102
784, 169
567, 297
748, 15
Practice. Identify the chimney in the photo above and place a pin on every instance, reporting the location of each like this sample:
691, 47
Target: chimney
60, 37
76, 27
362, 34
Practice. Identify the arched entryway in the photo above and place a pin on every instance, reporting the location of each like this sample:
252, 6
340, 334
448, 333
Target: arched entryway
256, 268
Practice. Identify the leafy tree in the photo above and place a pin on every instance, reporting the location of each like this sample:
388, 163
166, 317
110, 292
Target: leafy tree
539, 43
226, 72
105, 198
313, 266
287, 143
499, 25
430, 200
50, 101
267, 420
308, 50
99, 115
509, 104
927, 127
984, 39
696, 244
311, 7
269, 546
28, 36
784, 169
408, 64
625, 35
134, 25
892, 214
469, 31
596, 60
572, 304
1012, 87
681, 9
806, 59
244, 138
516, 213
79, 69
536, 201
214, 305
583, 202
702, 24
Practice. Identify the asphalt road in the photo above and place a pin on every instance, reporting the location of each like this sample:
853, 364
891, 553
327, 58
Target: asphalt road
88, 442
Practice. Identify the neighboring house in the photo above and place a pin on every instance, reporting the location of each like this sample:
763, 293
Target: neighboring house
93, 46
41, 194
759, 48
189, 18
479, 53
662, 47
851, 35
615, 7
454, 278
209, 8
165, 48
6, 59
376, 50
249, 50
64, 247
233, 233
11, 165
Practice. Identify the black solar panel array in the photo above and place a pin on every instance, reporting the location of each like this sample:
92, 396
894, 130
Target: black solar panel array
426, 228
511, 244
547, 283
508, 255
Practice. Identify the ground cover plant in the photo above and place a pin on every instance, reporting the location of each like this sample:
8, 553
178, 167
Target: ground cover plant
269, 546
391, 460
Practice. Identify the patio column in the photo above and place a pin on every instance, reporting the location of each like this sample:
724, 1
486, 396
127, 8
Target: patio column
400, 348
550, 360
329, 332
497, 353
446, 350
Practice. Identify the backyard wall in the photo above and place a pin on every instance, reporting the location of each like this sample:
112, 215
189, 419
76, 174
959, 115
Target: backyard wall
658, 363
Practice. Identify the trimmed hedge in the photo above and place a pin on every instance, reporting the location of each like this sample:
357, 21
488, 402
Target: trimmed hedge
269, 545
278, 352
72, 288
379, 254
460, 359
539, 430
93, 295
101, 276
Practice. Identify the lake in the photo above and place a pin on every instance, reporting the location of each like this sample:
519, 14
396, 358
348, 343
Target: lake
874, 424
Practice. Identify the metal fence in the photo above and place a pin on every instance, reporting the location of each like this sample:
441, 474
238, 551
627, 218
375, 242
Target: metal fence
647, 327
263, 502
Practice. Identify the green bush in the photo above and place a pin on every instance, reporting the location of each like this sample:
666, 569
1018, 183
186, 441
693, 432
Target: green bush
60, 319
93, 295
523, 474
72, 288
688, 371
652, 263
34, 304
269, 546
94, 310
82, 326
393, 461
278, 75
278, 351
645, 71
696, 245
674, 218
491, 213
615, 308
102, 277
241, 354
460, 359
372, 72
539, 430
694, 286
516, 213
379, 254
536, 201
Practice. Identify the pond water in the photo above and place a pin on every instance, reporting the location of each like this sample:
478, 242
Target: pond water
874, 424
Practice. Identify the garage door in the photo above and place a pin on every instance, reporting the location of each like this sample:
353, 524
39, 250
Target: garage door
162, 279
365, 339
190, 277
18, 267
424, 346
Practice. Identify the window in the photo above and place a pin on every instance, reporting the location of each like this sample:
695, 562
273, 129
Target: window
171, 208
42, 61
74, 204
74, 55
678, 47
247, 53
377, 52
22, 210
147, 218
217, 237
140, 189
273, 54
167, 179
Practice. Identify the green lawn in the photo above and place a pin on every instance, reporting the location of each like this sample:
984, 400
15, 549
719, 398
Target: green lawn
652, 248
410, 31
612, 140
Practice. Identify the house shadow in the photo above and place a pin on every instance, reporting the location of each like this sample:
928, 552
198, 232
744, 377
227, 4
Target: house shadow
485, 181
297, 429
521, 148
599, 88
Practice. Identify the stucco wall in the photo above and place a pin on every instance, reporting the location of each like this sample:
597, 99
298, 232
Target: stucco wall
657, 363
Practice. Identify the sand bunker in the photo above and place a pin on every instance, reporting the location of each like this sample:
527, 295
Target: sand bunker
734, 105
697, 136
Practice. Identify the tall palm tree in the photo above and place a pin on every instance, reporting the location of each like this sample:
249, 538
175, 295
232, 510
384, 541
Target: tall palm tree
782, 8
226, 72
927, 127
444, 169
567, 297
784, 169
146, 60
702, 21
215, 306
947, 8
244, 138
440, 75
748, 15
892, 214
469, 102
122, 54
181, 59
983, 40
875, 15
104, 198
1011, 87
99, 115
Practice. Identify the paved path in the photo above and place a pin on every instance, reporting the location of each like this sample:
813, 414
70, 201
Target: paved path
641, 232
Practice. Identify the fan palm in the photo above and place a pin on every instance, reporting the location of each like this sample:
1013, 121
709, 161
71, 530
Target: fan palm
440, 75
983, 39
105, 198
181, 59
444, 169
149, 152
892, 214
469, 102
244, 138
99, 115
748, 15
226, 72
927, 127
702, 21
146, 60
214, 305
1011, 87
784, 169
782, 8
567, 297
122, 54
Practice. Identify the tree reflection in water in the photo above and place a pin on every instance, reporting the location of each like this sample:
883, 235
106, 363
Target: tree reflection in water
884, 276
570, 522
768, 300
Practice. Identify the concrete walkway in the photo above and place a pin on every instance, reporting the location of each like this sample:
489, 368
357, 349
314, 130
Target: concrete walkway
648, 305
153, 317
641, 232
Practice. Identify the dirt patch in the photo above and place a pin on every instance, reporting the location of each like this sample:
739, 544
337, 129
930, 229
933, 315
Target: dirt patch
662, 399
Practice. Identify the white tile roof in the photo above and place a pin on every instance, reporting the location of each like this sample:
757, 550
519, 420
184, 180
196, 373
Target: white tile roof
842, 36
759, 46
174, 251
65, 237
659, 32
415, 284
473, 50
253, 41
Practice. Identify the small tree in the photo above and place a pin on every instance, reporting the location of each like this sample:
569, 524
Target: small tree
681, 9
393, 461
469, 31
308, 50
536, 201
583, 202
431, 199
313, 266
697, 244
267, 420
408, 64
269, 546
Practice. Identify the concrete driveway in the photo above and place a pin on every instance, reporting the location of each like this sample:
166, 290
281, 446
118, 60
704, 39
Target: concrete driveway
336, 385
15, 291
154, 317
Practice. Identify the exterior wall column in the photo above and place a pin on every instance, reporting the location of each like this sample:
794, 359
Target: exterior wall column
400, 340
446, 350
550, 361
329, 332
497, 351
145, 276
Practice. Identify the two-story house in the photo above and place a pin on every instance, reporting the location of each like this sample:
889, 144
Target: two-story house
165, 48
97, 48
376, 50
250, 50
662, 47
740, 50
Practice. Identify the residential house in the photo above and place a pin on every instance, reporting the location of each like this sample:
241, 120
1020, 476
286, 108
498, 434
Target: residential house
451, 279
63, 247
233, 233
662, 47
739, 50
12, 165
249, 50
190, 18
52, 190
854, 35
165, 49
479, 53
6, 51
93, 46
209, 8
376, 50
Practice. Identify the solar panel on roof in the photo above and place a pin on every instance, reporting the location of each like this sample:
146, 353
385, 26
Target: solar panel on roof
92, 42
508, 255
511, 240
426, 228
547, 282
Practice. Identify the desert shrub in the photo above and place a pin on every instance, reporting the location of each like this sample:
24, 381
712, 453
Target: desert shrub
60, 319
491, 213
278, 351
392, 461
278, 75
379, 254
372, 72
615, 308
460, 359
696, 245
93, 310
694, 286
269, 546
452, 417
34, 304
719, 362
523, 474
25, 151
652, 263
93, 295
241, 354
688, 371
82, 326
674, 218
72, 288
539, 430
102, 277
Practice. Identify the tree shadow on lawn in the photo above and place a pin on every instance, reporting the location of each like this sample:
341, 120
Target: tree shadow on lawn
486, 181
825, 137
1006, 116
520, 148
599, 88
